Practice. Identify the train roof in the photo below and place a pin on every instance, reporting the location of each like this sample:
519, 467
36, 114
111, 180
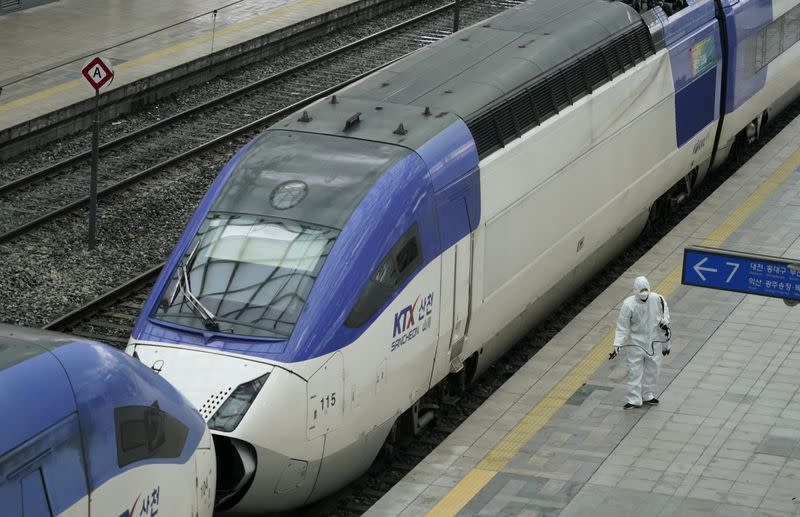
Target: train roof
466, 74
370, 119
300, 176
18, 344
33, 383
471, 70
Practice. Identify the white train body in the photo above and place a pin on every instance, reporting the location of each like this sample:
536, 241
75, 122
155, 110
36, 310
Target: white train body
437, 237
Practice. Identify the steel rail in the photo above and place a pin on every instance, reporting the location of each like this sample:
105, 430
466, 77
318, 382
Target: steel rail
54, 169
136, 178
109, 298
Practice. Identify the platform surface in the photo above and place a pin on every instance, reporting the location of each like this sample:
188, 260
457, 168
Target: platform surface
45, 47
725, 438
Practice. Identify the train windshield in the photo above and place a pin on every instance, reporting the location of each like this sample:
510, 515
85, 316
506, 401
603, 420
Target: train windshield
247, 275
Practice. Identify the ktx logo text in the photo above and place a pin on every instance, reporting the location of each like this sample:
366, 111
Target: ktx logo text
412, 320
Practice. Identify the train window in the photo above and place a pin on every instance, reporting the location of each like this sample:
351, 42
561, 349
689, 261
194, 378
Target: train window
791, 27
669, 7
773, 39
145, 432
407, 257
247, 274
386, 272
402, 260
759, 41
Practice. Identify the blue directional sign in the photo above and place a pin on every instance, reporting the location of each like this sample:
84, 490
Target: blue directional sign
775, 277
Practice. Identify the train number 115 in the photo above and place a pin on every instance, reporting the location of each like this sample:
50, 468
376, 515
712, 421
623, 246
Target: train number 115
325, 403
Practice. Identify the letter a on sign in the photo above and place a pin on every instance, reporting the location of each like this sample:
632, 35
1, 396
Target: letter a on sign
98, 72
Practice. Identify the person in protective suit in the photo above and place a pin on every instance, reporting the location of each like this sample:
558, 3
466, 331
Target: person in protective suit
643, 329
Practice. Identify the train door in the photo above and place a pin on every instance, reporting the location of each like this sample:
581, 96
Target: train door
463, 271
454, 308
441, 361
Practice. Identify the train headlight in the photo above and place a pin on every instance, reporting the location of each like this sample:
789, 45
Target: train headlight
231, 412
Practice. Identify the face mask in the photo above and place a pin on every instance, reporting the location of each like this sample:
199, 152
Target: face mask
643, 296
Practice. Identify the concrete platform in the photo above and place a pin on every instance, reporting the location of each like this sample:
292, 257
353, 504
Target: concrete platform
148, 42
725, 439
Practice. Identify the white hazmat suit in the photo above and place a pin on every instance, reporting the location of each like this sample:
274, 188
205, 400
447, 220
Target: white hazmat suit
640, 329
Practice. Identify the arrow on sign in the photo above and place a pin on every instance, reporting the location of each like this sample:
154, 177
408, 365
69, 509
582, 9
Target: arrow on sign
698, 269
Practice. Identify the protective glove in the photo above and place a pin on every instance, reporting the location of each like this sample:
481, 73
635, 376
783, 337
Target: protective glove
664, 327
614, 354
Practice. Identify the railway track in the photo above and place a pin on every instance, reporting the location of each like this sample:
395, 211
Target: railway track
110, 317
222, 67
101, 320
31, 200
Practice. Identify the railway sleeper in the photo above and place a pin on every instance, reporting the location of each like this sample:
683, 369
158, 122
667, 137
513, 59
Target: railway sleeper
107, 324
116, 341
123, 317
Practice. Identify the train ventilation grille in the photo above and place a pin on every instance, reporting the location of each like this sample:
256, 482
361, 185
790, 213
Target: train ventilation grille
213, 403
547, 94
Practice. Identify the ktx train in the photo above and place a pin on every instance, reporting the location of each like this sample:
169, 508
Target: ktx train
91, 431
390, 242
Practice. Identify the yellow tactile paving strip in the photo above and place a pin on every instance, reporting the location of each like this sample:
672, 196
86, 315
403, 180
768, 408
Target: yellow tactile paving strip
496, 459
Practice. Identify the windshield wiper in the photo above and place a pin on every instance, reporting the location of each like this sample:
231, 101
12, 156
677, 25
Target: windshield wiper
182, 285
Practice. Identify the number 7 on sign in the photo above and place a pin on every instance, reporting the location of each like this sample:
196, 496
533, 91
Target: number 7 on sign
735, 267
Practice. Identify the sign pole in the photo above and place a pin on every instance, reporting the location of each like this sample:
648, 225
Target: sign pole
98, 72
213, 30
93, 179
456, 15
